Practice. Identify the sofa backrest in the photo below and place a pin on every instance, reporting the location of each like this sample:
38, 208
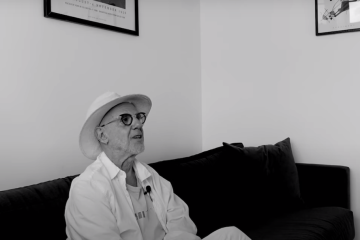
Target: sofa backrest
36, 211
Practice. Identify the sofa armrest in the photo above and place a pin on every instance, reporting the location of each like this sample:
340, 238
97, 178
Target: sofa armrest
324, 185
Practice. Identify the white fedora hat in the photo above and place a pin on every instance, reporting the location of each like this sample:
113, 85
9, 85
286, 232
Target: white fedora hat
89, 144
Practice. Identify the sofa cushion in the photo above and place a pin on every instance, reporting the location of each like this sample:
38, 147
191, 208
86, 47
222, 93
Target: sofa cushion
268, 178
326, 223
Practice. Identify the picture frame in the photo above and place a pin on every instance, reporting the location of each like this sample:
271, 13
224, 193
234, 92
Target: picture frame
115, 15
337, 16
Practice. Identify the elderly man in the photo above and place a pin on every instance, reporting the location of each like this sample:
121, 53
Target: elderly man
117, 197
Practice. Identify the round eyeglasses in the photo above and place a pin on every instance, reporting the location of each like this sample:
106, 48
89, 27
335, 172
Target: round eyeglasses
127, 119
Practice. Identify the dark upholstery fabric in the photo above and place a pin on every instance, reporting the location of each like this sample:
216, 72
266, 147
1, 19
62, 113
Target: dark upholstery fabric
198, 180
328, 223
324, 185
36, 211
271, 173
223, 190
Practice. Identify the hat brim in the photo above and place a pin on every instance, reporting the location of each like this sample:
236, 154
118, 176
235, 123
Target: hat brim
89, 144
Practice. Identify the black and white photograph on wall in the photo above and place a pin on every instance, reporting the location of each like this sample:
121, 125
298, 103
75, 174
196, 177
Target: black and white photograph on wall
115, 15
337, 16
116, 3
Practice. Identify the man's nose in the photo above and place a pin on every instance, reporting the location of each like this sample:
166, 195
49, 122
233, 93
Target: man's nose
136, 123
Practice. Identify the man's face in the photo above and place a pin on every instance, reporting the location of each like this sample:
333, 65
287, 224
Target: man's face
129, 139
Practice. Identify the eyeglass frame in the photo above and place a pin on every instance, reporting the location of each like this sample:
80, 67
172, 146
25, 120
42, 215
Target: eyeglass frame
132, 119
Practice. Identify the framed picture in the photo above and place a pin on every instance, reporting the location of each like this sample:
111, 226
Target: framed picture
115, 15
337, 16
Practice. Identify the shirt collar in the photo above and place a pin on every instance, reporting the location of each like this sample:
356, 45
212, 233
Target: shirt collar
140, 170
112, 169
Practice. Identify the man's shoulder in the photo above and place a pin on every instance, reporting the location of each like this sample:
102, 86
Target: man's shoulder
94, 178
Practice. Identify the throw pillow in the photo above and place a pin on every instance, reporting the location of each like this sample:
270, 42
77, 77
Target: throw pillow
269, 178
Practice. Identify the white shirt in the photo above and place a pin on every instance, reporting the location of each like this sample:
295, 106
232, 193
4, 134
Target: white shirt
145, 214
99, 206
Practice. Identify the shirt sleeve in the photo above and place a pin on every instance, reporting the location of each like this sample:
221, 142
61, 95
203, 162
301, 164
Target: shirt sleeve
178, 221
88, 214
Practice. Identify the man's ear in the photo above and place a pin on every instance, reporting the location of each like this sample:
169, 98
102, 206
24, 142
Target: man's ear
100, 135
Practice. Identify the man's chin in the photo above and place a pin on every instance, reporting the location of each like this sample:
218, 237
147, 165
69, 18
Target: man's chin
137, 149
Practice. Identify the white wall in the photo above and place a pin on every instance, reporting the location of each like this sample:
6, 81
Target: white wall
266, 76
52, 70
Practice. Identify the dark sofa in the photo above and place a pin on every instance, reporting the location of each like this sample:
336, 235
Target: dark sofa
261, 190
